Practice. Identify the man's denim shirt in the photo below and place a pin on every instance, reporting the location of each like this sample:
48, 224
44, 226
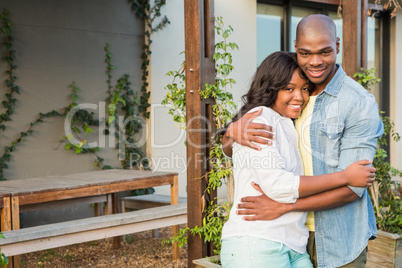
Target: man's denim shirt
344, 128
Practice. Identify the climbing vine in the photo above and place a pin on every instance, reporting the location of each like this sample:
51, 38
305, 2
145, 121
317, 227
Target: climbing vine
123, 115
216, 214
10, 100
122, 102
148, 14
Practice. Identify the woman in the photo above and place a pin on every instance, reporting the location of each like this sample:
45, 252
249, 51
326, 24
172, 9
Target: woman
282, 91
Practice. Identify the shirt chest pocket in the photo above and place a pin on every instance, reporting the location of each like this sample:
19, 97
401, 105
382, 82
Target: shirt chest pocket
330, 139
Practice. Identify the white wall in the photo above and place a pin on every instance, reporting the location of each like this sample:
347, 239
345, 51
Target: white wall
165, 57
56, 43
396, 85
168, 150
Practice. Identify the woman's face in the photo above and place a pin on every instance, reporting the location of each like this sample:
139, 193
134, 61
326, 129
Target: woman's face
292, 99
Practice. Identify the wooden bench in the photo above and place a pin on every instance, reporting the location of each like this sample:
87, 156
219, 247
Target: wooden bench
147, 201
98, 186
89, 229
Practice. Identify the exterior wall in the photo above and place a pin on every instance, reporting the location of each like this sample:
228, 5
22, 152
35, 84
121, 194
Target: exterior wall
56, 43
396, 84
167, 140
168, 150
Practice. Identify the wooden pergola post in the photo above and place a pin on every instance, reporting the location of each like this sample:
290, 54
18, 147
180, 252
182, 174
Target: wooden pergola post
200, 69
354, 35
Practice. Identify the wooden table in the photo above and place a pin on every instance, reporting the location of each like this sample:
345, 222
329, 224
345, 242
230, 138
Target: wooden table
94, 186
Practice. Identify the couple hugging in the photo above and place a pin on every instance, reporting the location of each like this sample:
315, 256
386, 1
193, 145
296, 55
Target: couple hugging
302, 146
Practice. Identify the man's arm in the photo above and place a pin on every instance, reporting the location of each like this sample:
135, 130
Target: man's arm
263, 208
363, 127
357, 174
246, 133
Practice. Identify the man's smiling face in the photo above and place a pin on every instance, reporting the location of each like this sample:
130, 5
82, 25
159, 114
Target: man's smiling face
316, 55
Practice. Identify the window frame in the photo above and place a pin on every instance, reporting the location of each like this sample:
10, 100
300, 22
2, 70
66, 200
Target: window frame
286, 41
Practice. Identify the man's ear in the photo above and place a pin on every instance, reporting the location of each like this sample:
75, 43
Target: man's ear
337, 45
294, 41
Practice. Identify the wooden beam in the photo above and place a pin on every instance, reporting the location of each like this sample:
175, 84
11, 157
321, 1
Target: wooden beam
199, 49
330, 2
174, 199
351, 60
6, 215
193, 58
364, 10
66, 193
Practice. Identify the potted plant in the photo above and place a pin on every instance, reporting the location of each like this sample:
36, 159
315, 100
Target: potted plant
385, 194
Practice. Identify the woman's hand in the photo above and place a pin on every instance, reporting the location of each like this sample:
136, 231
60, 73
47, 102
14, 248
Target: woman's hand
359, 174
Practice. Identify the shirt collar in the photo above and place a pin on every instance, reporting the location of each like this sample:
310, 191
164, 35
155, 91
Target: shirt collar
334, 85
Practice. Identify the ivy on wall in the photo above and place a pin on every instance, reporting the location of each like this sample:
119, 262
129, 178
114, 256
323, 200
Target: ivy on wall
10, 100
122, 102
148, 14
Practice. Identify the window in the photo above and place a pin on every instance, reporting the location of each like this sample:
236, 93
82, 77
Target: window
269, 30
277, 21
378, 49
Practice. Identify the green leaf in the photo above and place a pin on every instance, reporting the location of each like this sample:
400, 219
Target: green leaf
111, 119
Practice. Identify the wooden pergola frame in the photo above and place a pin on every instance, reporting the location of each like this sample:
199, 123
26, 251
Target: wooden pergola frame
199, 46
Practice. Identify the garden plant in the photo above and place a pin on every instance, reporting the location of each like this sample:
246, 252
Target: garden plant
216, 213
385, 193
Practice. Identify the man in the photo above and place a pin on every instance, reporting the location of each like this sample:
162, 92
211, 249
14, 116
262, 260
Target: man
339, 126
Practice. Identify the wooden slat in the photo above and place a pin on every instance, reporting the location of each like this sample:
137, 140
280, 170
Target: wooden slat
115, 210
387, 251
79, 231
108, 205
73, 181
6, 215
377, 260
397, 237
15, 213
174, 191
384, 251
384, 241
148, 201
98, 209
174, 199
76, 238
68, 202
83, 230
39, 197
